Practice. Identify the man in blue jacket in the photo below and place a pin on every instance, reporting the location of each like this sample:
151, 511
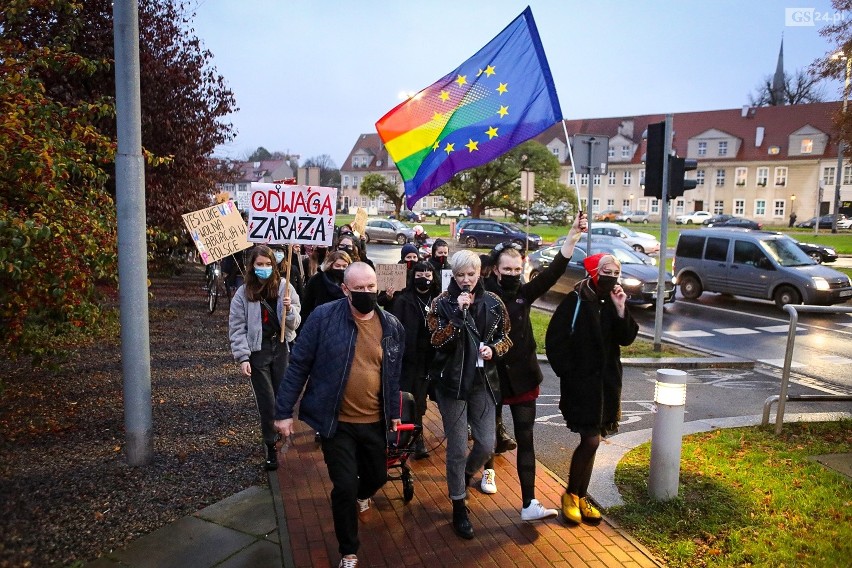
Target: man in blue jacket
352, 353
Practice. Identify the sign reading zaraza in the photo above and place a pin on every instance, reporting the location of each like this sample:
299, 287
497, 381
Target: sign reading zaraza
297, 214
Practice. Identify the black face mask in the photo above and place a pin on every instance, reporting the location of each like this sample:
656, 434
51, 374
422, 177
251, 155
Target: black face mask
422, 284
442, 260
345, 248
510, 282
364, 302
606, 284
335, 274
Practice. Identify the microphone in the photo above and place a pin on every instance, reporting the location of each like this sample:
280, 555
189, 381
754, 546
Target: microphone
466, 290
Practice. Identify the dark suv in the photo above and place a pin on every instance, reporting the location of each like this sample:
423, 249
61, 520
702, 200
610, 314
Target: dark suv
484, 233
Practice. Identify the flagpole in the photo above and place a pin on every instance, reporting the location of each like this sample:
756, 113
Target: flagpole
573, 167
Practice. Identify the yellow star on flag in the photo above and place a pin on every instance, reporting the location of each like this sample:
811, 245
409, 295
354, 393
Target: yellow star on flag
444, 95
449, 148
489, 70
461, 80
491, 132
504, 110
471, 145
436, 145
502, 88
437, 116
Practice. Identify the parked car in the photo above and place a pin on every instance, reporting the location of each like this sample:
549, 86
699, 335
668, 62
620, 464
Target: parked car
457, 212
610, 241
387, 230
481, 232
642, 242
824, 222
845, 223
737, 222
716, 219
608, 215
820, 254
633, 217
755, 264
412, 216
696, 217
428, 212
638, 279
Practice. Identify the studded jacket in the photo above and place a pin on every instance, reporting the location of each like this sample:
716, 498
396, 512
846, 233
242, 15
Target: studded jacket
456, 338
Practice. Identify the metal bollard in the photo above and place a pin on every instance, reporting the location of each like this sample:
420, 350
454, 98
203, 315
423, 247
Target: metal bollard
666, 435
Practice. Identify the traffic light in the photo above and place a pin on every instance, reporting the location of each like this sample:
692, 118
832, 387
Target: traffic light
654, 153
677, 172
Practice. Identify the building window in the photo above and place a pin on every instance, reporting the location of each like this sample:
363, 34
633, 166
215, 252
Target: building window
778, 208
655, 206
780, 176
740, 176
723, 148
363, 202
718, 207
611, 178
610, 152
584, 179
739, 206
355, 182
720, 178
847, 175
762, 176
597, 179
626, 178
345, 181
679, 206
625, 151
828, 175
571, 178
702, 148
596, 205
807, 146
555, 152
610, 203
699, 178
625, 205
760, 207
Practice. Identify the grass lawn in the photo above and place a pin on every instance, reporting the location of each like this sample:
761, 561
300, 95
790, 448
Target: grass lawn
747, 498
639, 348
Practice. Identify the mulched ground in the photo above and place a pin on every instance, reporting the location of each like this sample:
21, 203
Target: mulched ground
67, 494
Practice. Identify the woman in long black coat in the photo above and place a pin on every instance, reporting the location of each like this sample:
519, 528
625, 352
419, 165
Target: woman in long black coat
583, 345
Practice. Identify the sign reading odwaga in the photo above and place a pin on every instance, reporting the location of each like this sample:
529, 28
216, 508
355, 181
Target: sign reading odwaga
297, 214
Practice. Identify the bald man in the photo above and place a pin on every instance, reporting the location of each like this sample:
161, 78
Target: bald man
352, 353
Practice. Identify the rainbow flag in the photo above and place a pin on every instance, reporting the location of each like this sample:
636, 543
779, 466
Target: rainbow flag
500, 97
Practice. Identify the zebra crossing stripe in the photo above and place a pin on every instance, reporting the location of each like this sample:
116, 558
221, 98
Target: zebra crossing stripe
736, 331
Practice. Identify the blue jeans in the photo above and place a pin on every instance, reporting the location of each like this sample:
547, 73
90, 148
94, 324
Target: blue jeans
478, 411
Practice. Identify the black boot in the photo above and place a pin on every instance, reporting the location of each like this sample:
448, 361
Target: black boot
271, 463
504, 441
420, 451
461, 522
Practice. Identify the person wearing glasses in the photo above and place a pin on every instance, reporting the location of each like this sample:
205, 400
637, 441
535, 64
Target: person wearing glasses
583, 344
519, 371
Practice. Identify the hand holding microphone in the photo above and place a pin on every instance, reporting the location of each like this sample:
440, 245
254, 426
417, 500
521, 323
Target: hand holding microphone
465, 299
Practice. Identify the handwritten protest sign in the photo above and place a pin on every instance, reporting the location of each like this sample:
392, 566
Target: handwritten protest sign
217, 231
360, 221
391, 276
297, 214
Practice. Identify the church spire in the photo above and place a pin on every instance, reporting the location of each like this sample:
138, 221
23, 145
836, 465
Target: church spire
777, 91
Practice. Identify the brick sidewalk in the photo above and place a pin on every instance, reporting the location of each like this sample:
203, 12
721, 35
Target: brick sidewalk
419, 533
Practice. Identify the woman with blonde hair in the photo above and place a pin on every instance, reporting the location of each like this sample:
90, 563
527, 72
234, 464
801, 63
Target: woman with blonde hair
583, 344
255, 330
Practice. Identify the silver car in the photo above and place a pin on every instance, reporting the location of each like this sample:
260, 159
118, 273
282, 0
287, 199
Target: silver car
641, 242
389, 230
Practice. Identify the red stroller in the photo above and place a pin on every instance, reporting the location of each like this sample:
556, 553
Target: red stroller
401, 446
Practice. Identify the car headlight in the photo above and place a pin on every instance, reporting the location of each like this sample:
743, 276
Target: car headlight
831, 252
820, 283
674, 280
632, 282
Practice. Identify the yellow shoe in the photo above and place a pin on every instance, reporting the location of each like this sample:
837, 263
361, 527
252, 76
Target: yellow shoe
588, 511
571, 508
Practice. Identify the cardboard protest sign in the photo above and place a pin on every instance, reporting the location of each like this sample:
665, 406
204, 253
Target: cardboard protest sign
298, 214
217, 231
360, 222
446, 276
391, 276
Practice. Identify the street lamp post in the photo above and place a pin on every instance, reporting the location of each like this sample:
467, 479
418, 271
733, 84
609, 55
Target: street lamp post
841, 147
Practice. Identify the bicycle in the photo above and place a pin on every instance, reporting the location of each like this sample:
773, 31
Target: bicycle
214, 285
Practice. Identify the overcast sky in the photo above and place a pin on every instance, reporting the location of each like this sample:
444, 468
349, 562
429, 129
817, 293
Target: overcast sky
310, 76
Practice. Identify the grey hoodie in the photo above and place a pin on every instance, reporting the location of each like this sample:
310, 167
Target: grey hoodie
244, 324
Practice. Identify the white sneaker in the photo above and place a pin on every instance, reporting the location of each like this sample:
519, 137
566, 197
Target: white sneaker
536, 512
348, 562
489, 482
363, 505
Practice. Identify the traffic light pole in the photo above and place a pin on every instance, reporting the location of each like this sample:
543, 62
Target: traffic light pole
664, 225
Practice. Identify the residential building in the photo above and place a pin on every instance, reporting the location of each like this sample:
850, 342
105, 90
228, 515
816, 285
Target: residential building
262, 171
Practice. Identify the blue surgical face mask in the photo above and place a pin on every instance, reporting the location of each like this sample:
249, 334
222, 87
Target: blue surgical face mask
263, 273
279, 256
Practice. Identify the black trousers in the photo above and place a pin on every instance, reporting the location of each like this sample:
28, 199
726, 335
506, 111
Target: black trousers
267, 369
355, 457
418, 387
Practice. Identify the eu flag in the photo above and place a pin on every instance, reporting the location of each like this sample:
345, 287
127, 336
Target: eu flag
500, 97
